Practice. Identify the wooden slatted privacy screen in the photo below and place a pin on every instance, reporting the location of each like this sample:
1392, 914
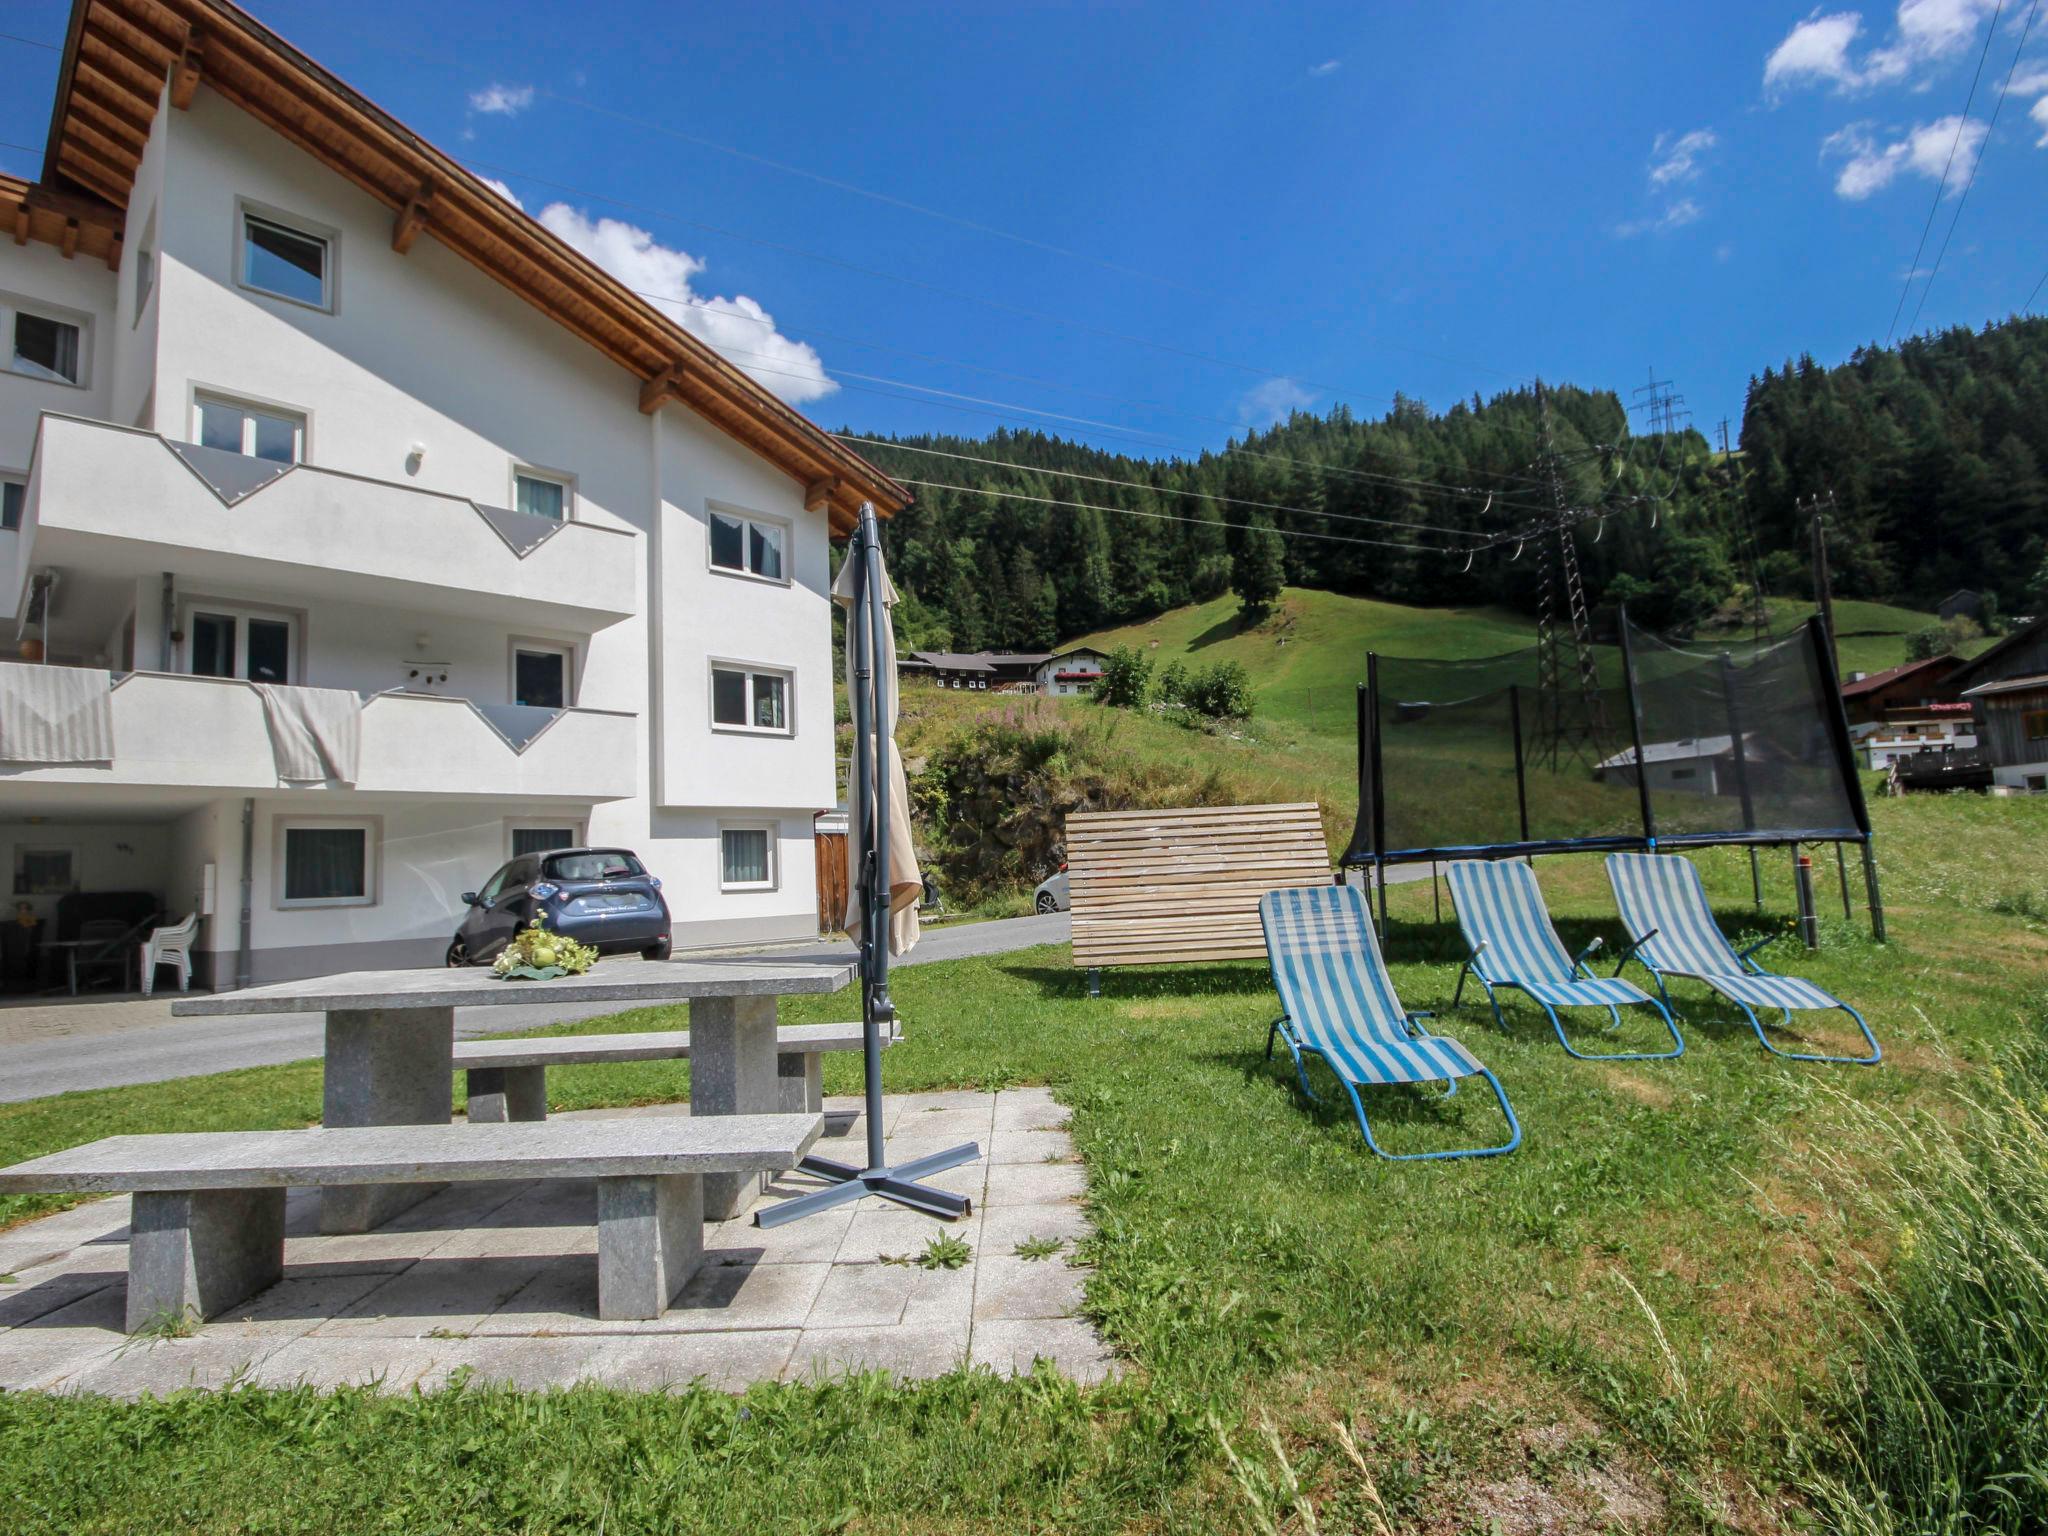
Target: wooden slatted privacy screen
1155, 887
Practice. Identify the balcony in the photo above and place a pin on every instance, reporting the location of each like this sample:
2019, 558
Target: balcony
209, 734
115, 502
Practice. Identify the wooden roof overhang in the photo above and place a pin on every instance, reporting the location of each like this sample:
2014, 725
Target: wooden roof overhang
118, 55
72, 223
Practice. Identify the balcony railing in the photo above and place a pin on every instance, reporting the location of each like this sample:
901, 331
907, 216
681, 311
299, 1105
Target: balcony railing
174, 731
118, 502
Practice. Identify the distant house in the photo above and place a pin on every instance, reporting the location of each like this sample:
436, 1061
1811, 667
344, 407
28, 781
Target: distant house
1066, 673
1699, 765
1964, 602
1918, 685
1005, 671
2008, 685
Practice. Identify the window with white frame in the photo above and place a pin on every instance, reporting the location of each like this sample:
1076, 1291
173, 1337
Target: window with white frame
542, 674
13, 492
48, 348
747, 857
286, 262
752, 546
255, 431
326, 863
539, 494
224, 641
750, 699
539, 837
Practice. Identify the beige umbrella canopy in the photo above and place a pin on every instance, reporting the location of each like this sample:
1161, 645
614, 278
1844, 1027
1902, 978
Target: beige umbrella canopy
906, 885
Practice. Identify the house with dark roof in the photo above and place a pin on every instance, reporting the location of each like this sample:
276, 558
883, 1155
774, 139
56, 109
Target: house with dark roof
2008, 688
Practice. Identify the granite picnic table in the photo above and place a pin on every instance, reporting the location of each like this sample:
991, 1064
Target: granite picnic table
390, 1041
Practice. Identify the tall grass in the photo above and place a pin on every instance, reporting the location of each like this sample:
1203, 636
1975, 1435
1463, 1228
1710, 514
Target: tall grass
1947, 1415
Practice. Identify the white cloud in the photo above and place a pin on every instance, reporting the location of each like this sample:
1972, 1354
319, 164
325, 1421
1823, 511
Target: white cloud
1818, 51
737, 327
499, 100
1869, 167
1271, 401
2040, 116
1677, 159
1327, 67
1679, 214
2032, 83
503, 191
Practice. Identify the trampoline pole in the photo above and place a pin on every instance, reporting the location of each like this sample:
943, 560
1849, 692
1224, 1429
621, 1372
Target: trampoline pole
1436, 899
1870, 885
1842, 869
1756, 880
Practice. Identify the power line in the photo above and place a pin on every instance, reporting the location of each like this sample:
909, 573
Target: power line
1170, 517
1982, 145
1158, 490
1962, 122
2038, 286
29, 42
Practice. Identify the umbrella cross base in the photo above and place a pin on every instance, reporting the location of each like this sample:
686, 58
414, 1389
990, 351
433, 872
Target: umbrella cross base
898, 1184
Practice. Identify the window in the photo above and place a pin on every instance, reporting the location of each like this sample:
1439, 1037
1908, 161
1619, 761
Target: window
750, 545
325, 863
745, 700
2037, 781
598, 864
540, 495
45, 871
145, 265
538, 839
45, 348
2034, 723
254, 431
285, 263
540, 675
222, 642
11, 494
746, 858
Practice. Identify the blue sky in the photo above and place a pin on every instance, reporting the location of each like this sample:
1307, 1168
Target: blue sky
1224, 210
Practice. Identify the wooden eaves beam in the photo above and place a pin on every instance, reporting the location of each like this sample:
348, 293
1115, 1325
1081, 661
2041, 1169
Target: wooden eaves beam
819, 493
187, 67
412, 218
662, 388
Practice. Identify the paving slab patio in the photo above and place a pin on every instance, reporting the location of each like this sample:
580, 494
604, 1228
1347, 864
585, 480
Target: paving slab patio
498, 1283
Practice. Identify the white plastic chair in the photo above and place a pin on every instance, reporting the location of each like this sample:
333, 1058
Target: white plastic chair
170, 946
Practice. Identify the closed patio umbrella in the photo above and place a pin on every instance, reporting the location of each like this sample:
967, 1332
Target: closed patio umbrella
884, 884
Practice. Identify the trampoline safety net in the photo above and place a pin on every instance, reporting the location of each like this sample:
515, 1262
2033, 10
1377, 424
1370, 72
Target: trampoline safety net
1740, 743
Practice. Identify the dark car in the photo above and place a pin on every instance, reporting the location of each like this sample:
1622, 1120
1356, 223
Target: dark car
599, 896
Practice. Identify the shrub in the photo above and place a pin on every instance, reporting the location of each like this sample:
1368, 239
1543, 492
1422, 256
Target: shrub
1173, 685
1126, 679
1942, 639
1222, 692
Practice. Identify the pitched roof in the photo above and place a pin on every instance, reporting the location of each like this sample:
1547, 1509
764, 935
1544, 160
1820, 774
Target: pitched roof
118, 55
1982, 662
1890, 675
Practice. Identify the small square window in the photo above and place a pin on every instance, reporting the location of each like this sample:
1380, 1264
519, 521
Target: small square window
753, 546
540, 676
45, 348
2035, 724
12, 494
324, 864
539, 495
253, 432
746, 858
45, 871
526, 840
747, 700
287, 263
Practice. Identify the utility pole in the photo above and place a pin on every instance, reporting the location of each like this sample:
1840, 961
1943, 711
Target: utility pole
1724, 437
1823, 587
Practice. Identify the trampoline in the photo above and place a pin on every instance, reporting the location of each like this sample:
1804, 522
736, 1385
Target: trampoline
1666, 745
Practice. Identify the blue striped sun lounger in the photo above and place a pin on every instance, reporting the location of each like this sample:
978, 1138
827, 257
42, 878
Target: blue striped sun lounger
1665, 909
1338, 1005
1514, 944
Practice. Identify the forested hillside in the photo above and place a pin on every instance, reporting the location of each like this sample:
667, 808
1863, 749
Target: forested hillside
1933, 449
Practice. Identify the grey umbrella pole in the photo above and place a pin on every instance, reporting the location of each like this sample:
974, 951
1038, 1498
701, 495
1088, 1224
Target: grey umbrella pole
870, 823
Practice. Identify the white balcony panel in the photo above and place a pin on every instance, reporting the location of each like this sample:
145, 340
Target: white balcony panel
118, 502
173, 732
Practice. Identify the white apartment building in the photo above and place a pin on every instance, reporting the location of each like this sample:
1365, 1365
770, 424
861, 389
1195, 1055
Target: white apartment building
375, 534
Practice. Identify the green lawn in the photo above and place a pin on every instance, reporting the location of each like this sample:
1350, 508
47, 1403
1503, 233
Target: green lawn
1635, 1322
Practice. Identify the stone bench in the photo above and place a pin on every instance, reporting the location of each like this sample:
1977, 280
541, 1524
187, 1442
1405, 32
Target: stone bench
208, 1223
507, 1079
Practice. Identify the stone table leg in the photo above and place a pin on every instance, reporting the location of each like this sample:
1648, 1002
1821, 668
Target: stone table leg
193, 1253
507, 1093
732, 1072
650, 1240
385, 1066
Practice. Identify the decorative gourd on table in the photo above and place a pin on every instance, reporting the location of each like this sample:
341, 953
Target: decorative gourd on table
537, 954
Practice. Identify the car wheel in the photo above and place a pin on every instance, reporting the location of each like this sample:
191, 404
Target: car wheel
1047, 902
458, 955
659, 950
